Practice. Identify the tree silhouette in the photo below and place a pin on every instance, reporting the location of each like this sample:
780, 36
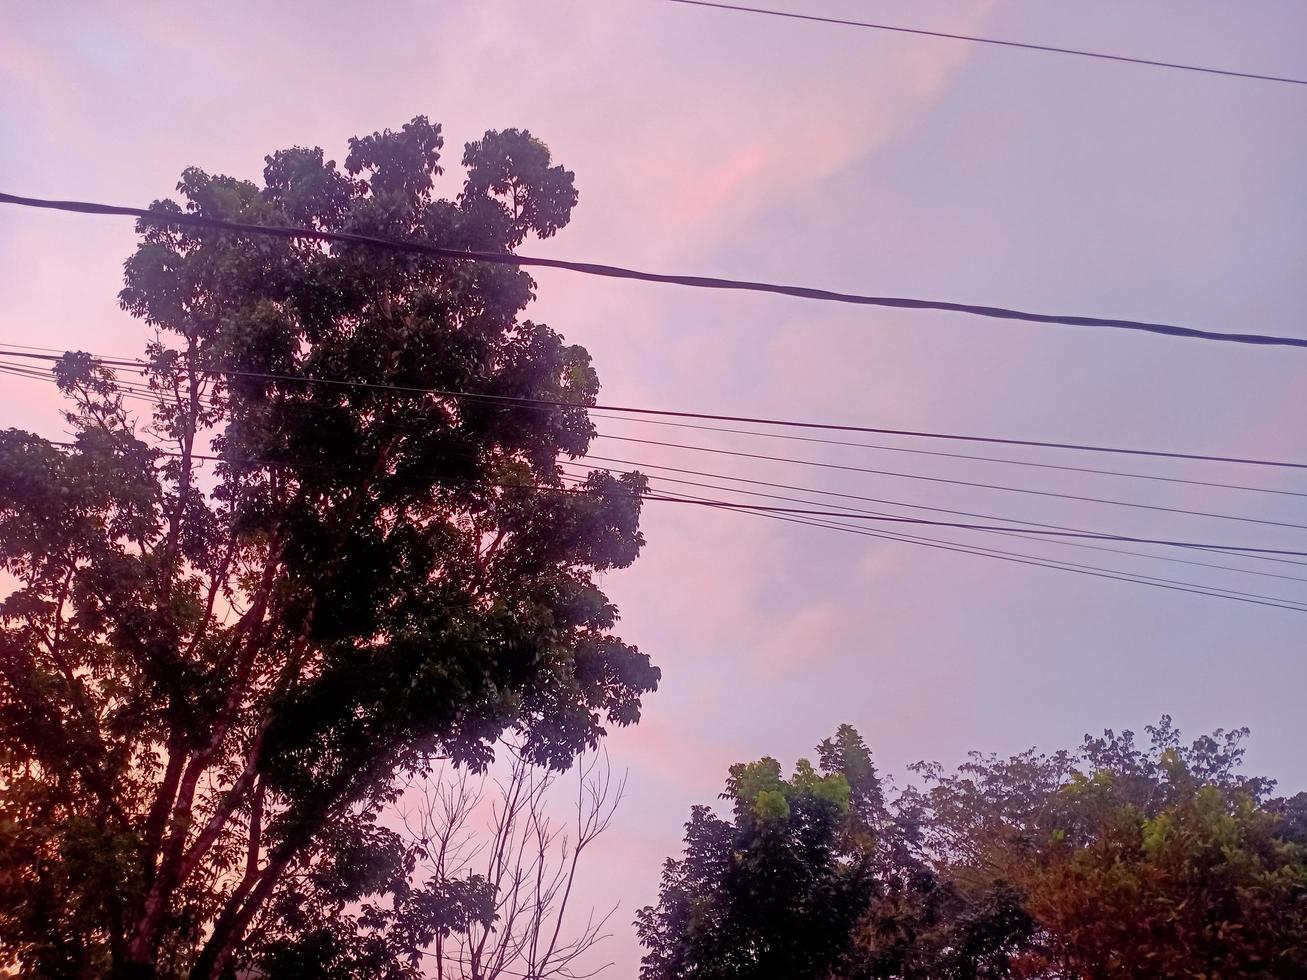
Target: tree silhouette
302, 575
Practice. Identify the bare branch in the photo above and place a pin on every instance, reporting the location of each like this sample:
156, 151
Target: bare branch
530, 859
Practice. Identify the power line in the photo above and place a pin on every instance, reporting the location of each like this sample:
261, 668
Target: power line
990, 40
123, 362
1018, 557
634, 410
844, 496
967, 483
861, 515
1264, 555
1023, 559
961, 483
1253, 552
764, 508
144, 394
892, 449
642, 467
968, 456
618, 272
783, 514
60, 351
1260, 554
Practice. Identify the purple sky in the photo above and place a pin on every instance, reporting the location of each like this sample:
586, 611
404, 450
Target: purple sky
761, 148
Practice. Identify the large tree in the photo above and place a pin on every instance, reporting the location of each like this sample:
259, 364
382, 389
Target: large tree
336, 548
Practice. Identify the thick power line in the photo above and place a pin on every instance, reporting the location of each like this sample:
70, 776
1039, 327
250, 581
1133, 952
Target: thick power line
990, 40
185, 219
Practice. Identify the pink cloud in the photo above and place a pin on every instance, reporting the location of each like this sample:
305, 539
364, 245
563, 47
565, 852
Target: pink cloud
668, 749
821, 631
809, 635
694, 167
716, 187
22, 61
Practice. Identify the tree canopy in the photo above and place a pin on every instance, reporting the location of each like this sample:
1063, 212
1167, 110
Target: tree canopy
1108, 861
1161, 860
304, 569
765, 894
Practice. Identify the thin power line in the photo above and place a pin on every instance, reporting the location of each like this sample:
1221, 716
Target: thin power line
861, 515
1263, 555
60, 351
1260, 554
968, 456
642, 468
144, 394
130, 364
617, 272
139, 392
974, 484
670, 413
1024, 559
765, 508
990, 40
961, 483
850, 496
783, 514
1017, 557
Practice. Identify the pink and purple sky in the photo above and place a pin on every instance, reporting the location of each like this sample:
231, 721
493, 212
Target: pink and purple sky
756, 147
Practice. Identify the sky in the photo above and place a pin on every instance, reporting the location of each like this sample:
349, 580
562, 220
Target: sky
755, 147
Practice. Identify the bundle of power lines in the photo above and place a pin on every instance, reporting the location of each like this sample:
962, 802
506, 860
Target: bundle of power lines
1224, 549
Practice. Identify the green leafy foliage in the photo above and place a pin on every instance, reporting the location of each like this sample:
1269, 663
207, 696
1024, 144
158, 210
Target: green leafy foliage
774, 892
1108, 861
211, 674
1160, 861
